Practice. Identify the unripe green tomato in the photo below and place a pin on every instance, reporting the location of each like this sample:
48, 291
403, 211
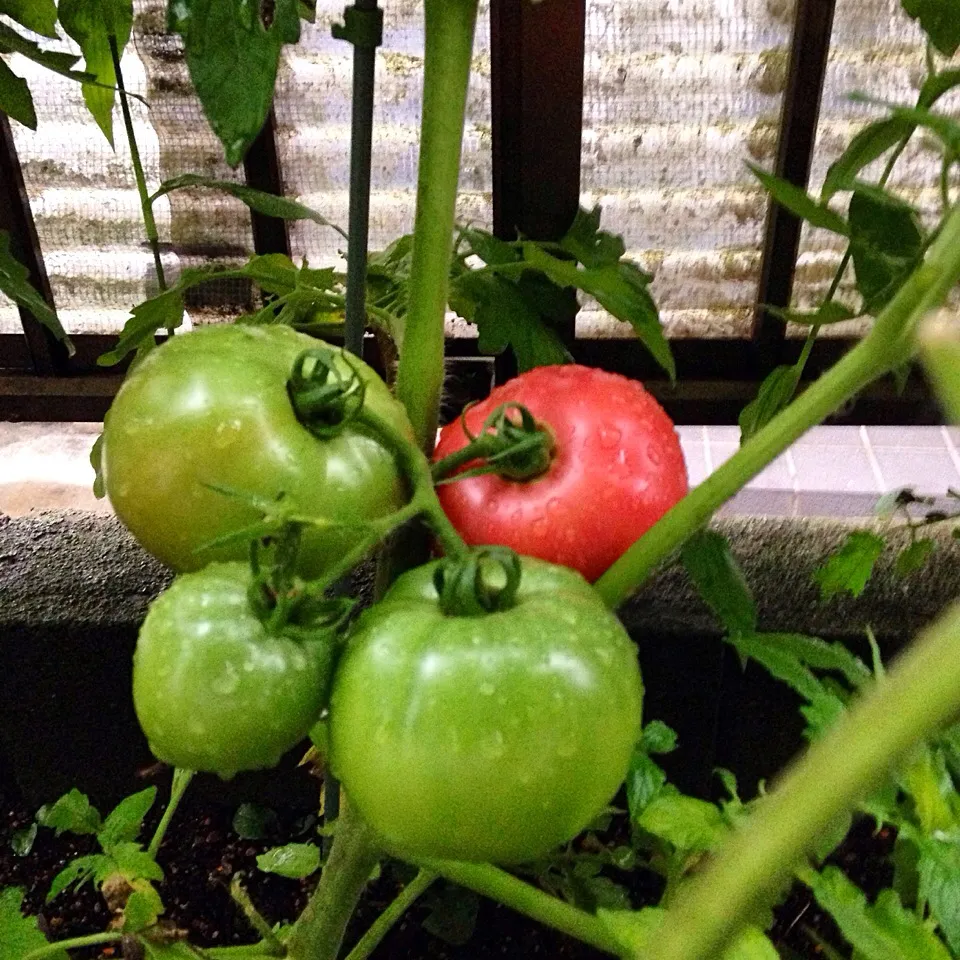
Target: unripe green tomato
485, 738
210, 408
214, 690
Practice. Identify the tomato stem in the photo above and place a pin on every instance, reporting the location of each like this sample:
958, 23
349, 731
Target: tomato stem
940, 350
449, 28
270, 944
497, 884
889, 343
382, 925
181, 780
93, 940
318, 931
918, 697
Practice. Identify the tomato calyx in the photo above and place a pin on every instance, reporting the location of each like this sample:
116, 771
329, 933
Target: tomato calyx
324, 397
479, 582
511, 443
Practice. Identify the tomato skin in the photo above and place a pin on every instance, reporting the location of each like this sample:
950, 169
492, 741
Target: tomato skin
211, 407
492, 738
212, 688
617, 468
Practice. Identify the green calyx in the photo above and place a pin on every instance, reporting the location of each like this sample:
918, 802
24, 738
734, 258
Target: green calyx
511, 443
324, 397
481, 582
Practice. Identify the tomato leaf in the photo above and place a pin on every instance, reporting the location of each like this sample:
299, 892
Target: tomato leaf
914, 557
15, 284
232, 54
162, 311
799, 202
125, 820
939, 875
944, 127
589, 244
295, 860
830, 311
22, 840
15, 98
19, 935
40, 16
686, 823
940, 20
135, 863
880, 931
142, 909
253, 822
720, 581
820, 655
72, 812
266, 203
453, 913
868, 145
776, 391
490, 249
62, 63
849, 568
91, 23
78, 872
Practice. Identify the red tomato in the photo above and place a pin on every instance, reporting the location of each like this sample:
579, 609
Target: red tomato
616, 469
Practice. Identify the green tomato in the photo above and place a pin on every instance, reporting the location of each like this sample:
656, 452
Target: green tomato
214, 690
485, 738
211, 407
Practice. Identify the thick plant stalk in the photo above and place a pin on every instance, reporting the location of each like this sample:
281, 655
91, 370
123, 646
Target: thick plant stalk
940, 349
888, 344
449, 29
919, 696
318, 932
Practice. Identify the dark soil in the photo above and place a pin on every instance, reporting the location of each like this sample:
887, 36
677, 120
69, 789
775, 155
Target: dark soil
202, 853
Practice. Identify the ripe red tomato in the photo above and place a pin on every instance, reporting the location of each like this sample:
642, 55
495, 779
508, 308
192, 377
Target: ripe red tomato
616, 469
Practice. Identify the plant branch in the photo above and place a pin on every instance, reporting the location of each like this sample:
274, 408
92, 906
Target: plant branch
382, 925
449, 29
918, 697
318, 931
940, 350
490, 881
146, 204
181, 780
888, 344
92, 940
270, 944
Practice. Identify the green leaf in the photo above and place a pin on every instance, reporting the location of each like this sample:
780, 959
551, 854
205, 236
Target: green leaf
820, 655
253, 821
72, 812
504, 318
96, 461
135, 863
720, 581
775, 393
939, 872
15, 284
657, 737
880, 931
15, 98
40, 16
936, 85
940, 20
19, 935
645, 779
79, 872
868, 145
142, 909
22, 840
91, 23
453, 913
489, 248
125, 820
621, 289
686, 823
830, 311
295, 860
62, 63
232, 57
799, 202
265, 203
914, 557
168, 949
162, 311
590, 245
944, 127
848, 569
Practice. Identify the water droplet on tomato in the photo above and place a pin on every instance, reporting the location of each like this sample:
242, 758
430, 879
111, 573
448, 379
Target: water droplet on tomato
493, 505
609, 437
493, 747
654, 455
539, 526
487, 689
553, 505
228, 680
382, 734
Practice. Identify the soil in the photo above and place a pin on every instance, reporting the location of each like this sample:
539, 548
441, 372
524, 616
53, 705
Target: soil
202, 853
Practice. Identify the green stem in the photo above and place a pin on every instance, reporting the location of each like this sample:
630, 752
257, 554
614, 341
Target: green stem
181, 780
318, 932
490, 881
270, 945
940, 350
93, 940
919, 696
889, 343
146, 204
246, 951
449, 29
382, 925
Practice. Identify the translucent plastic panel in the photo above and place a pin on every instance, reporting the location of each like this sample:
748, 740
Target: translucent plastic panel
876, 49
678, 95
313, 116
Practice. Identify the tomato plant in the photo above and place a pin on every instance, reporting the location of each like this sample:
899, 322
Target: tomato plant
211, 408
615, 455
214, 686
485, 736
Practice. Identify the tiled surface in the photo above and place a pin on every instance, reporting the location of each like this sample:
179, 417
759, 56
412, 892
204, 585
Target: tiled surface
831, 471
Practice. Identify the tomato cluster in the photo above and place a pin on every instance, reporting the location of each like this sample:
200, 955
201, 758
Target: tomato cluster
486, 708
